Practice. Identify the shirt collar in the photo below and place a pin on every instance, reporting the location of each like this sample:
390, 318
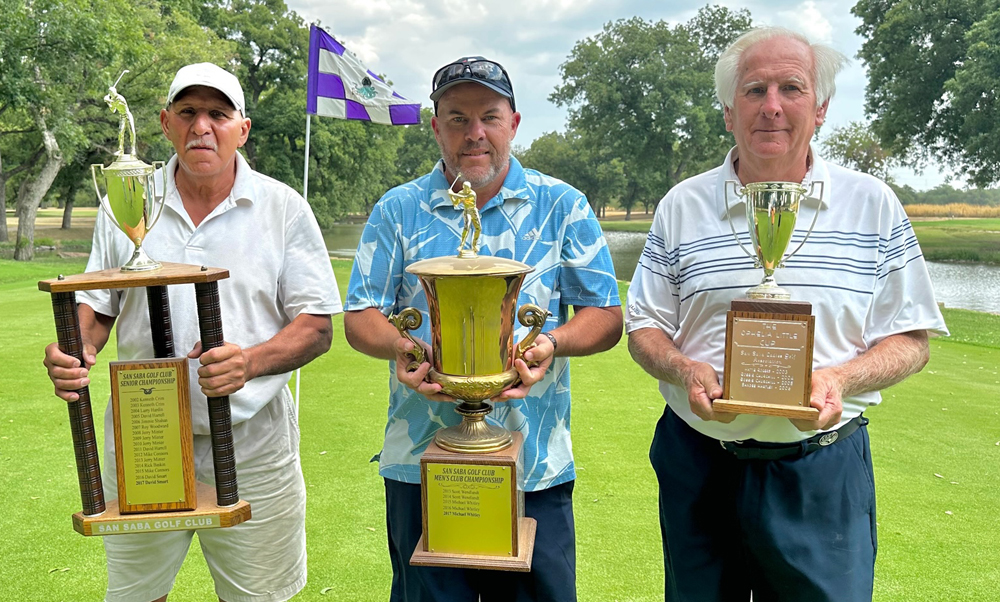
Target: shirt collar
242, 193
514, 188
816, 195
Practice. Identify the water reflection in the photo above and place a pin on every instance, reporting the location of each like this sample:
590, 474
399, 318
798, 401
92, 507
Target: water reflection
967, 286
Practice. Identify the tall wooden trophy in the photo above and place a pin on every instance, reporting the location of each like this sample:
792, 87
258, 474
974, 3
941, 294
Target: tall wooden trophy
150, 399
471, 475
769, 337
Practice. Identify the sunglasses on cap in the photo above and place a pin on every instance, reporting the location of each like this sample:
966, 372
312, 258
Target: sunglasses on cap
490, 73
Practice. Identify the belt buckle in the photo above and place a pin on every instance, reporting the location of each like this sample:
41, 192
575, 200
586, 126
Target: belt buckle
828, 438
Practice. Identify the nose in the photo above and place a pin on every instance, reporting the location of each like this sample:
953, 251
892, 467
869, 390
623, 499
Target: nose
771, 107
202, 123
474, 130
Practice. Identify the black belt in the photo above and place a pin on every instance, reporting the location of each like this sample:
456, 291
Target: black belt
761, 450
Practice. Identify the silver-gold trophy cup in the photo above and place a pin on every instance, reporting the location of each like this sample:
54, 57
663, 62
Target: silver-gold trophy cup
471, 474
129, 198
769, 337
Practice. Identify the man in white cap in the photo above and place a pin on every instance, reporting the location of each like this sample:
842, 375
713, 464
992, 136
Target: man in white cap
276, 309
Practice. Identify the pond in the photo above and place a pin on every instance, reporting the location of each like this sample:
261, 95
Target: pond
961, 285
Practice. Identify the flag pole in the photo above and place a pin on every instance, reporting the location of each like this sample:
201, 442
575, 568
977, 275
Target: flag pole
305, 195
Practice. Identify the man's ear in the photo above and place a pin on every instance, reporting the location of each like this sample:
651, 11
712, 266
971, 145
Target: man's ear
821, 112
728, 117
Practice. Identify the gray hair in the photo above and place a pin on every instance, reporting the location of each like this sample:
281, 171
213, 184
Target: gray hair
827, 63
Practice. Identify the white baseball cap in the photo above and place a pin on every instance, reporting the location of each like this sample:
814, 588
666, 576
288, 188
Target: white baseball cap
211, 76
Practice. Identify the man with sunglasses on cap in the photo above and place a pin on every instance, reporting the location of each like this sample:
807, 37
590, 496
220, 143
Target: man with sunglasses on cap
526, 216
276, 308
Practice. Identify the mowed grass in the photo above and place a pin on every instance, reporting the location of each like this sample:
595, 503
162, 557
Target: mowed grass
936, 447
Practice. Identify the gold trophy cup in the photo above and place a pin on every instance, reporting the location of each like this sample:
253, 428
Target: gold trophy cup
471, 474
129, 198
769, 337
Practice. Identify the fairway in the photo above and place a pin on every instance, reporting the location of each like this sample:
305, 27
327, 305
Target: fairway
935, 443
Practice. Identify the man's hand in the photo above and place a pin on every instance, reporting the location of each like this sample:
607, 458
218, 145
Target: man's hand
826, 396
540, 357
415, 380
224, 370
702, 384
65, 371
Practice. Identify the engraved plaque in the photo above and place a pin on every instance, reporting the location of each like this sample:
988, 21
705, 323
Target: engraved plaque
769, 361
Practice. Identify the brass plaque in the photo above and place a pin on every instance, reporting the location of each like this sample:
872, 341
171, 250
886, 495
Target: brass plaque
154, 446
770, 361
470, 509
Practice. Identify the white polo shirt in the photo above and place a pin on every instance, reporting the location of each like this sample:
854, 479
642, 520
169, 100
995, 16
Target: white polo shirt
861, 269
266, 235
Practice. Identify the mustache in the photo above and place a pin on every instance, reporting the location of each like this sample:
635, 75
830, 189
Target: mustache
203, 143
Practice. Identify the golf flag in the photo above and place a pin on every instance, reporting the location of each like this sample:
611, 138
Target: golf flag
340, 86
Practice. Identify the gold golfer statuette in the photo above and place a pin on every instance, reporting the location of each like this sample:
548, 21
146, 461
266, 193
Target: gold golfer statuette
129, 198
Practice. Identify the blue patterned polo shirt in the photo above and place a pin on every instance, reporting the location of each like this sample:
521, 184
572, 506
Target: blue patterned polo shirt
535, 219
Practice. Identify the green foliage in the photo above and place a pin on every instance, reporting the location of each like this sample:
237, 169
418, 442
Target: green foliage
573, 159
855, 146
418, 152
645, 92
973, 240
933, 72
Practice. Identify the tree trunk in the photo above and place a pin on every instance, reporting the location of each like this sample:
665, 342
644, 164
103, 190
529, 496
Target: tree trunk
4, 237
67, 222
31, 195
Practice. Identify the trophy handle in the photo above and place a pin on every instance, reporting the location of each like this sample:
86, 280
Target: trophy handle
404, 321
815, 217
151, 191
100, 197
729, 217
533, 316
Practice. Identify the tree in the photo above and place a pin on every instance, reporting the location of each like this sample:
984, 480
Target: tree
855, 145
419, 151
933, 70
645, 92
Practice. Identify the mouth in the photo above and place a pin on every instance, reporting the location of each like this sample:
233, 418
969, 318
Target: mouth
201, 145
476, 153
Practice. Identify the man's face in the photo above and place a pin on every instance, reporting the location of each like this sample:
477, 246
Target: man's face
205, 130
774, 113
474, 127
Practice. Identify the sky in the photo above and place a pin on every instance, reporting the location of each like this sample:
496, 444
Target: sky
408, 40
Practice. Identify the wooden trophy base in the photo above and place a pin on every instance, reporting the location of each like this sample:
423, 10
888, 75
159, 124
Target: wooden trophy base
208, 515
473, 511
520, 563
769, 348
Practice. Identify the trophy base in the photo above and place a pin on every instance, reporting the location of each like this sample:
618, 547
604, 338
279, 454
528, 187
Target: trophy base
765, 409
518, 564
473, 435
472, 510
208, 515
140, 262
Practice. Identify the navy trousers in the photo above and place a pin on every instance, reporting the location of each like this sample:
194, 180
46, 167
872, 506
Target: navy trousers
553, 566
794, 530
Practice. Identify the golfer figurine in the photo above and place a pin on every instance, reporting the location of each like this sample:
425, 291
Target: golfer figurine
466, 199
116, 102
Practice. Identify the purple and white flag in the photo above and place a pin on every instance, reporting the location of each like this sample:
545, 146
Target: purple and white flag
340, 86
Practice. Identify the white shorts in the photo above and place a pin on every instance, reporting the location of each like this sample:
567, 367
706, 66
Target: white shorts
261, 560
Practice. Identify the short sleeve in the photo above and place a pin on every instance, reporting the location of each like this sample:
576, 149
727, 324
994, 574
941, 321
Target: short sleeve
378, 265
903, 299
587, 274
103, 257
307, 283
653, 296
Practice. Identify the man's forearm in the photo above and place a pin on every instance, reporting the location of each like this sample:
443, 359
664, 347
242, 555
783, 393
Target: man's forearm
95, 328
369, 332
304, 339
656, 352
889, 362
590, 330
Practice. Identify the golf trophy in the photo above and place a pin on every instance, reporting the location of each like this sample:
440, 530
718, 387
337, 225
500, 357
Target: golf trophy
769, 337
151, 407
471, 474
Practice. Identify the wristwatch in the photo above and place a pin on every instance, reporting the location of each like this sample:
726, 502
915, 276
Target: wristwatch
552, 339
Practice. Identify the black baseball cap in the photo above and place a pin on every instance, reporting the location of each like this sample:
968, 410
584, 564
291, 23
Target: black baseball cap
475, 69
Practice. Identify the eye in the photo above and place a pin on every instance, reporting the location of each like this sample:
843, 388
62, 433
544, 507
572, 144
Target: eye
186, 111
756, 90
217, 114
